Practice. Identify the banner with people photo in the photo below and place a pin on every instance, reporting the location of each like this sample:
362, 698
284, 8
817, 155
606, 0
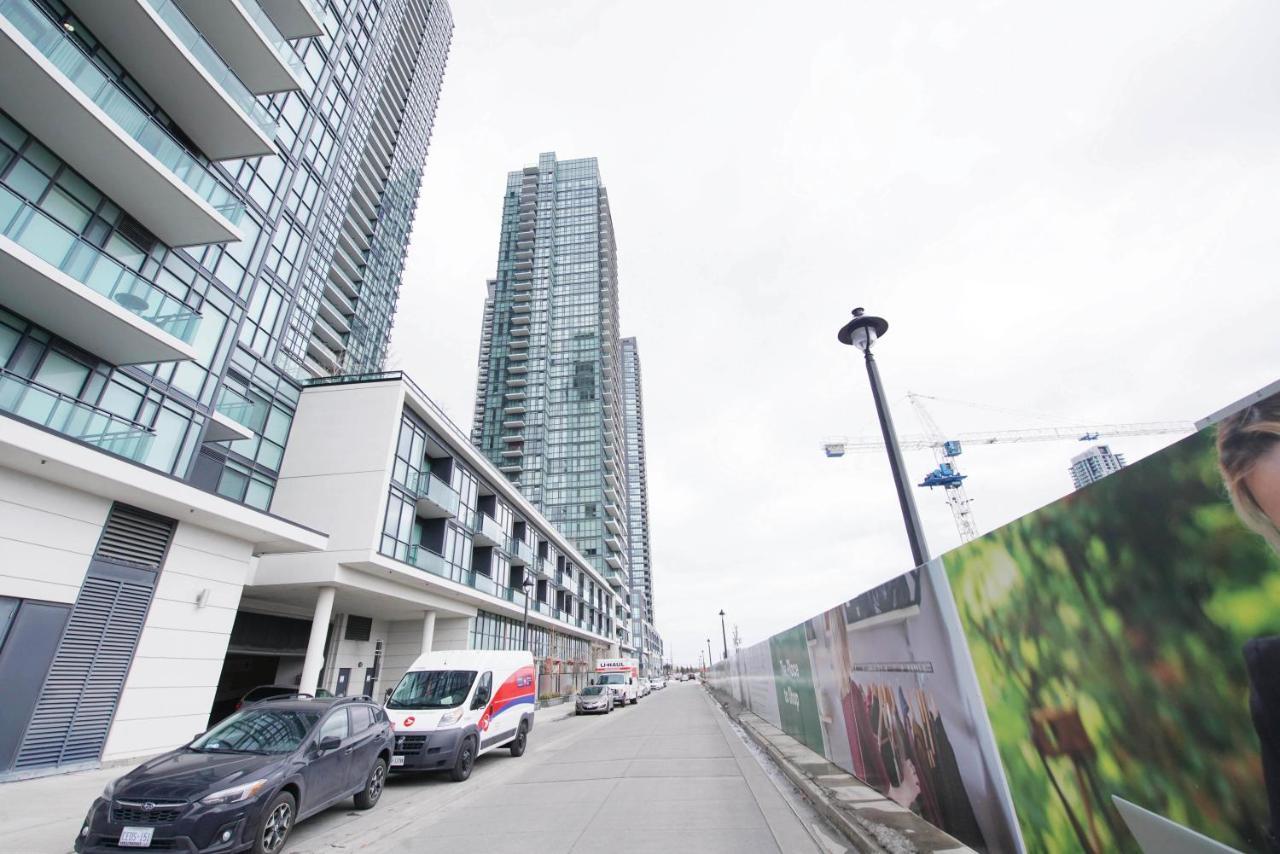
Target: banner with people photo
1127, 642
1105, 666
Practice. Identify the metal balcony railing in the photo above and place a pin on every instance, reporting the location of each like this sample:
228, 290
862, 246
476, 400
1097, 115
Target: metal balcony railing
57, 46
47, 239
76, 419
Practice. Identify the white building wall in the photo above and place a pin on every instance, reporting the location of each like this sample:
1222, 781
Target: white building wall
47, 536
404, 645
175, 670
453, 633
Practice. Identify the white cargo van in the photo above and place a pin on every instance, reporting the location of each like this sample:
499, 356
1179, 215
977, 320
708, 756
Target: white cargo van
622, 675
451, 707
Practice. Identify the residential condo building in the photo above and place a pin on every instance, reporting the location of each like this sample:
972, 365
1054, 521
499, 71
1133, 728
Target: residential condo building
645, 638
549, 398
1094, 464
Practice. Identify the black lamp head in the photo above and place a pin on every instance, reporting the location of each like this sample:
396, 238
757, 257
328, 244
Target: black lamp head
863, 330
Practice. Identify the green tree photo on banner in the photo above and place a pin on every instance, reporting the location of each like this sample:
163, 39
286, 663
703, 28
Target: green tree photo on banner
793, 680
1106, 630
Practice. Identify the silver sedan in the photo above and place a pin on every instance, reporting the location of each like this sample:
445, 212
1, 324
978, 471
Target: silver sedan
594, 699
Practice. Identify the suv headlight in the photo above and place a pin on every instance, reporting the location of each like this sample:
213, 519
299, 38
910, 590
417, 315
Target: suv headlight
235, 794
450, 718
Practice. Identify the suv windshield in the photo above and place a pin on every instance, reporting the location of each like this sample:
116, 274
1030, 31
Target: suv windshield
593, 689
259, 731
432, 689
611, 679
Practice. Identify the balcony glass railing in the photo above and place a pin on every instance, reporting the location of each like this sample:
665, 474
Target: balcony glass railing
489, 527
70, 417
520, 549
278, 42
212, 63
430, 486
44, 237
56, 45
242, 410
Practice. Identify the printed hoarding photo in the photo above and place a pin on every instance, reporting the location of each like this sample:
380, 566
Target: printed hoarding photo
1125, 642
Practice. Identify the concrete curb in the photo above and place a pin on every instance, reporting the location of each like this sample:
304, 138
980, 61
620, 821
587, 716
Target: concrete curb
870, 822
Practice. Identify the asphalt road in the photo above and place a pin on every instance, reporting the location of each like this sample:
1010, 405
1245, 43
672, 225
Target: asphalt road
668, 775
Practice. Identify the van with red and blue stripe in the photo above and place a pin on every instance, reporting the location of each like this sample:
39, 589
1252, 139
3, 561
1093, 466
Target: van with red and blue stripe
452, 707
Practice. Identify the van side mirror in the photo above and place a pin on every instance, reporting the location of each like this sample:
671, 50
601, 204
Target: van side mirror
329, 742
481, 698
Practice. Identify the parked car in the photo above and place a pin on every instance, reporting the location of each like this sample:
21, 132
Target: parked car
452, 707
657, 683
245, 783
645, 687
594, 699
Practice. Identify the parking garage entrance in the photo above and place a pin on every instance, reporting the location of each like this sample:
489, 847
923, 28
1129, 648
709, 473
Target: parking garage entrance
265, 649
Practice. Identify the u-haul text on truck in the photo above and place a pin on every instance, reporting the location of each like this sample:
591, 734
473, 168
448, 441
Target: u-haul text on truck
622, 675
451, 707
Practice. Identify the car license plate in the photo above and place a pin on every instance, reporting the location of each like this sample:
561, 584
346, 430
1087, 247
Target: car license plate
397, 761
136, 837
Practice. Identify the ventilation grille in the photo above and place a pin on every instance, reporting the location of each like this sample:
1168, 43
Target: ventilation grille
358, 628
135, 537
73, 715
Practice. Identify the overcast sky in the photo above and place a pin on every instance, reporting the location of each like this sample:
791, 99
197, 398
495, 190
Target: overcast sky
1067, 209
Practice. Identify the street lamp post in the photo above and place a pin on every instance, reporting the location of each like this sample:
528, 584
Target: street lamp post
710, 660
525, 583
724, 638
862, 332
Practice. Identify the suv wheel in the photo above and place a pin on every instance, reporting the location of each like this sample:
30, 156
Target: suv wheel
465, 762
367, 798
277, 821
521, 741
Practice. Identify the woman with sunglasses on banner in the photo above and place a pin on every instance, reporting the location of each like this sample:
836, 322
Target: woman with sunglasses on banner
1249, 454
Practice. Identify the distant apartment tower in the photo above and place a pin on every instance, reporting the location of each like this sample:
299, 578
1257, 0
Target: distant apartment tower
645, 638
203, 206
549, 397
1095, 464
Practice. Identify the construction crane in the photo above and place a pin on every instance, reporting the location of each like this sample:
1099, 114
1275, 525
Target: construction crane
947, 475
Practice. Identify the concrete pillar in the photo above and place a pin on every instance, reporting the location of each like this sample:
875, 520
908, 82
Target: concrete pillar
315, 643
428, 631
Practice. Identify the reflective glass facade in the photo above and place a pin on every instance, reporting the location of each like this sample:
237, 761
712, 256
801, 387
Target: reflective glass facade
549, 396
309, 289
644, 636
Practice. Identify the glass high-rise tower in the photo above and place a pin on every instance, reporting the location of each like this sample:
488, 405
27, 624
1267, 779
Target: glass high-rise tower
645, 638
203, 206
549, 401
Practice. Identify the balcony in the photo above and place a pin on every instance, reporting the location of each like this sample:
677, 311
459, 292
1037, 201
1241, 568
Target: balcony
72, 418
616, 562
511, 468
487, 531
614, 544
611, 495
328, 335
515, 409
514, 424
423, 558
59, 94
436, 499
296, 19
249, 42
235, 417
182, 71
612, 525
513, 454
520, 552
515, 395
80, 293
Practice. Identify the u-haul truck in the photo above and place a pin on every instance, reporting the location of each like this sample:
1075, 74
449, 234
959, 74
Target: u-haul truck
622, 675
452, 707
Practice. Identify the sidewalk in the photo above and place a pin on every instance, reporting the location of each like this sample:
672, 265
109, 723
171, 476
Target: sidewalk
870, 822
43, 815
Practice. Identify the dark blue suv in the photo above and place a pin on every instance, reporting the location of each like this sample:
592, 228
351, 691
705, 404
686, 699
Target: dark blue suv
243, 785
